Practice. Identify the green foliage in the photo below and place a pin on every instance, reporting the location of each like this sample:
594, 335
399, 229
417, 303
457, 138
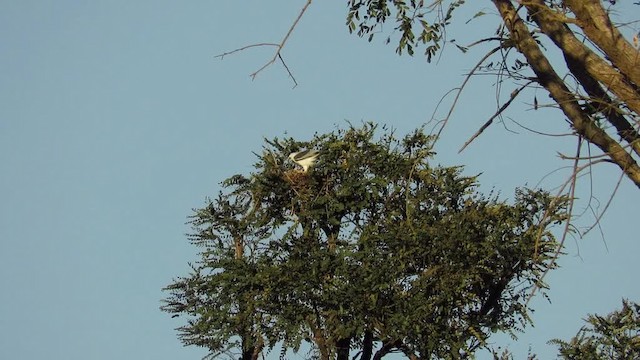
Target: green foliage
615, 336
372, 249
411, 18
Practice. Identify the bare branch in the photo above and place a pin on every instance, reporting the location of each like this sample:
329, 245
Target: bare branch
283, 42
295, 83
549, 79
514, 94
280, 46
221, 56
572, 187
592, 157
540, 132
464, 83
483, 41
571, 182
599, 217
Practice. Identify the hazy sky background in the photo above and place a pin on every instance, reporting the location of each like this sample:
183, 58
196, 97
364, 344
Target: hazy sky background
116, 120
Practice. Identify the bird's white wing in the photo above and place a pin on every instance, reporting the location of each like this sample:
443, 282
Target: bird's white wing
305, 158
303, 155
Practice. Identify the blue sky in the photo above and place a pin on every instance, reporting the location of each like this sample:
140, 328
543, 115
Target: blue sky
116, 120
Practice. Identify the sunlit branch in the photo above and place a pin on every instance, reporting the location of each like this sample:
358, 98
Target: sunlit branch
221, 56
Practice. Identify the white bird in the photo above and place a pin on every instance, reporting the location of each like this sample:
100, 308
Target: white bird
305, 158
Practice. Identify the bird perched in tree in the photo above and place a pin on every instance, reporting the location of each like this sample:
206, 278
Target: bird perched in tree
304, 158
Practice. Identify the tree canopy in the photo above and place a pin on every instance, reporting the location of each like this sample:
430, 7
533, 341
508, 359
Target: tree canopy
372, 251
611, 337
615, 336
376, 251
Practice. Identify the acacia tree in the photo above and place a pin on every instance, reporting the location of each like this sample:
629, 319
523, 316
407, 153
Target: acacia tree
611, 337
371, 252
615, 336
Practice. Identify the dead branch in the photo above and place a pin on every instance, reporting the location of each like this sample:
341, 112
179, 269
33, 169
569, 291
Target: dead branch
549, 79
591, 157
606, 207
571, 183
572, 187
280, 46
540, 132
504, 106
459, 90
221, 56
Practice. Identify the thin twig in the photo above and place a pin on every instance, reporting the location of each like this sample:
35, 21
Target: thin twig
295, 83
540, 132
459, 90
539, 183
221, 56
572, 183
599, 217
484, 40
280, 46
504, 106
592, 157
283, 42
572, 187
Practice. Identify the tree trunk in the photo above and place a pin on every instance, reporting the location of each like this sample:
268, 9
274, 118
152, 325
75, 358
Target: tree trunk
318, 337
367, 345
591, 70
342, 349
251, 349
595, 23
